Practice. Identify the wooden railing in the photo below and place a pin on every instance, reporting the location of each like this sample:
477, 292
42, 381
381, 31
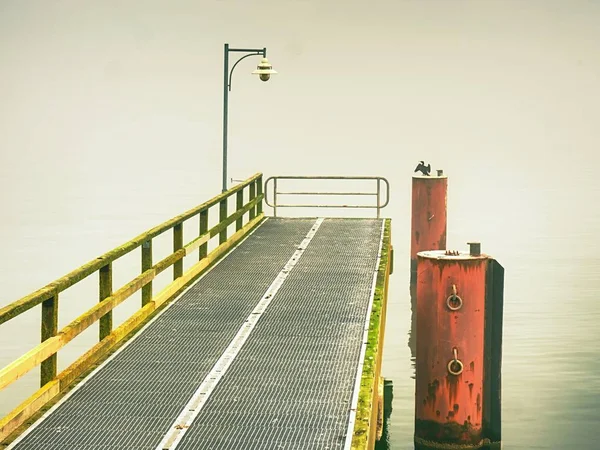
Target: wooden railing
53, 339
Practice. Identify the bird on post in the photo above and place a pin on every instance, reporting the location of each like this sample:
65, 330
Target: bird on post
425, 169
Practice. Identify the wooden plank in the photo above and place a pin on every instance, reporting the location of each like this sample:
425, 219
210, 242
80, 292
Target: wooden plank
198, 242
26, 303
102, 349
146, 265
259, 192
15, 308
25, 363
217, 229
105, 291
222, 220
29, 407
222, 225
203, 229
178, 245
85, 320
29, 360
21, 366
380, 408
49, 329
85, 361
252, 196
238, 206
167, 262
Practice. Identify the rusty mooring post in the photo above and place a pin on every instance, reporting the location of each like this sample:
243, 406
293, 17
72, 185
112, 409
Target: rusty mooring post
428, 230
459, 350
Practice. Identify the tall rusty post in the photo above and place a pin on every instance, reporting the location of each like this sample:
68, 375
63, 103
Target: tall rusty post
428, 230
459, 350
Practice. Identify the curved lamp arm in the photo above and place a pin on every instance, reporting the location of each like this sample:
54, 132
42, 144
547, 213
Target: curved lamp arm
236, 63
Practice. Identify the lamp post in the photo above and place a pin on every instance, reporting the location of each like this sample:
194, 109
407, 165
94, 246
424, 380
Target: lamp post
264, 70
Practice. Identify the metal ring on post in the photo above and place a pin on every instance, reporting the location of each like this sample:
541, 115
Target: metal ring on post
454, 302
455, 366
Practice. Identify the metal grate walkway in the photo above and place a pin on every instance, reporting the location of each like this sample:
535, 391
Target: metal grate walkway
289, 386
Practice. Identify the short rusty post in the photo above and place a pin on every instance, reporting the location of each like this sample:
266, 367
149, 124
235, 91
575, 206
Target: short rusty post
178, 245
49, 329
428, 230
203, 229
252, 197
105, 291
222, 218
474, 248
147, 265
259, 190
238, 206
458, 350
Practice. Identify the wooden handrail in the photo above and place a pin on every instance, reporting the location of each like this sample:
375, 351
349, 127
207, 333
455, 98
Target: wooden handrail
59, 285
53, 339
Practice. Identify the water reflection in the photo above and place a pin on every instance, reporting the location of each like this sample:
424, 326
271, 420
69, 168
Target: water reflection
412, 341
388, 396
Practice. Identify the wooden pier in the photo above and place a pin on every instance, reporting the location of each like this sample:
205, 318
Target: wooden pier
273, 339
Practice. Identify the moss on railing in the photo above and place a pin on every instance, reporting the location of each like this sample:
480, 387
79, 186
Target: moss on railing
54, 385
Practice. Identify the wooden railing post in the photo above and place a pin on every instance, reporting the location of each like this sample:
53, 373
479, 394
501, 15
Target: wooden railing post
147, 264
222, 217
177, 245
46, 354
106, 321
203, 229
252, 197
239, 205
49, 329
259, 190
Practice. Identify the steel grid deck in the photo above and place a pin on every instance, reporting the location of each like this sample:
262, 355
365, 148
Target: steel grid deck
289, 387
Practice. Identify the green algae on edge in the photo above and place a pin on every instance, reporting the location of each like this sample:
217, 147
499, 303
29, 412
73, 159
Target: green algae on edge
368, 383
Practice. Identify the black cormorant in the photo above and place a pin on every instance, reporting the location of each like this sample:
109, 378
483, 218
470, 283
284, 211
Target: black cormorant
425, 169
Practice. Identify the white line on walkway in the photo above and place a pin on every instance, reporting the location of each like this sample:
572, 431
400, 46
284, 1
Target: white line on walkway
125, 345
198, 400
363, 349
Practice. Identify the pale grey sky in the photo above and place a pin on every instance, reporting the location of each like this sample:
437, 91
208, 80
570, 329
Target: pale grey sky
457, 82
110, 112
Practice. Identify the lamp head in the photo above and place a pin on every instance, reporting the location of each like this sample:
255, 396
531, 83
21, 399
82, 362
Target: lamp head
264, 70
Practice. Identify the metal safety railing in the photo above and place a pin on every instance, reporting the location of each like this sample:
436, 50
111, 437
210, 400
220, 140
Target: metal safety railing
377, 194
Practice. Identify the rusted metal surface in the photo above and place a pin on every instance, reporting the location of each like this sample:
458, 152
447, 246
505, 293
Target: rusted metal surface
459, 309
492, 387
428, 231
450, 347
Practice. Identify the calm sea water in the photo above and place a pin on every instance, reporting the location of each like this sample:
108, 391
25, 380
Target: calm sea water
551, 348
551, 353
